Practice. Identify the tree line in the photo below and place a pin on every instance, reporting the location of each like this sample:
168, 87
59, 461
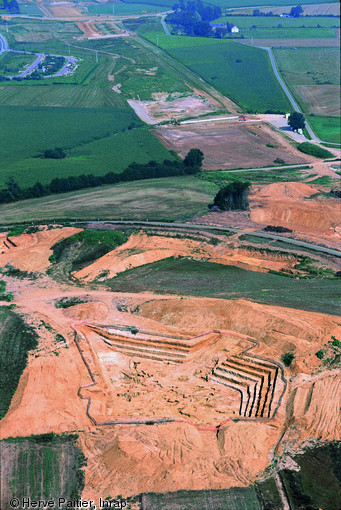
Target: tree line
134, 172
194, 17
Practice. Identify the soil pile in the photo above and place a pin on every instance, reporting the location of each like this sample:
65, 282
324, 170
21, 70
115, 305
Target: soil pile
289, 205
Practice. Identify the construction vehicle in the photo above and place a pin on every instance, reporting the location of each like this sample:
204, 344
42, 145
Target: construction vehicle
243, 118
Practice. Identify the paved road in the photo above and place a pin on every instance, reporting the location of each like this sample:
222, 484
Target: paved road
3, 44
164, 25
193, 226
39, 59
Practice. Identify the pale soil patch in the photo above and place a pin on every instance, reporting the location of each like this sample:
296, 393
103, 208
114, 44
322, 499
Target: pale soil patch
65, 11
32, 251
288, 205
230, 144
166, 107
89, 29
323, 100
143, 249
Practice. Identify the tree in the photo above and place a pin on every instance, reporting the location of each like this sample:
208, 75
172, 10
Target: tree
13, 187
296, 121
233, 196
194, 158
296, 11
288, 358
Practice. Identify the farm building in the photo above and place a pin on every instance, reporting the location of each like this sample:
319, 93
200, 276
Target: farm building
233, 29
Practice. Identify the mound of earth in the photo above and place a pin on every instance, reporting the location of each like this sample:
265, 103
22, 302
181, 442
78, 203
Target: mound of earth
143, 249
289, 204
31, 252
87, 311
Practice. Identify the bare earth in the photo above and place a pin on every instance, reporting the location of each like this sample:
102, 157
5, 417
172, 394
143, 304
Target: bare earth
165, 107
191, 452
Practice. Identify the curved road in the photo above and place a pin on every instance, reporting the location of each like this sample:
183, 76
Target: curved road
198, 226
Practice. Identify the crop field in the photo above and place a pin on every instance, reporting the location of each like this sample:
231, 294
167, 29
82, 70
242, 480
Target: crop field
222, 178
193, 278
314, 76
252, 22
121, 9
98, 146
16, 340
328, 128
41, 467
153, 199
225, 4
30, 9
237, 498
231, 68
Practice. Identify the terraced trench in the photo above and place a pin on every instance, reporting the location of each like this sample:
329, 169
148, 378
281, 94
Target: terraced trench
259, 381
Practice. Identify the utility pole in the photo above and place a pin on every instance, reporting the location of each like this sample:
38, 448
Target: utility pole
157, 41
113, 10
97, 57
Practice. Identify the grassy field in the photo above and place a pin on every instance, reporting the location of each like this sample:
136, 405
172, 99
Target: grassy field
16, 339
317, 483
230, 67
153, 199
327, 128
222, 177
283, 28
237, 498
121, 9
98, 145
41, 467
12, 64
193, 278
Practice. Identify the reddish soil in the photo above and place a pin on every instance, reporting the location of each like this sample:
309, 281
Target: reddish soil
288, 204
170, 456
230, 144
145, 249
32, 251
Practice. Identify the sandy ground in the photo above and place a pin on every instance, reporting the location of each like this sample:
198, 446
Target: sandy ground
166, 107
288, 204
174, 456
61, 11
145, 249
89, 29
32, 251
230, 144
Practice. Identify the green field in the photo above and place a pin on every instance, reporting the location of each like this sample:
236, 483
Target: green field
41, 467
249, 22
236, 498
16, 340
12, 64
153, 199
309, 66
241, 72
96, 140
234, 3
327, 128
193, 278
121, 9
223, 177
317, 483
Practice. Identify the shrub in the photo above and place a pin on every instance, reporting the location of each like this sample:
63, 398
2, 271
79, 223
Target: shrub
319, 354
288, 358
314, 150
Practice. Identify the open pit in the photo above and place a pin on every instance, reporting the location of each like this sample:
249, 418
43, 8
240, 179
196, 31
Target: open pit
205, 379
